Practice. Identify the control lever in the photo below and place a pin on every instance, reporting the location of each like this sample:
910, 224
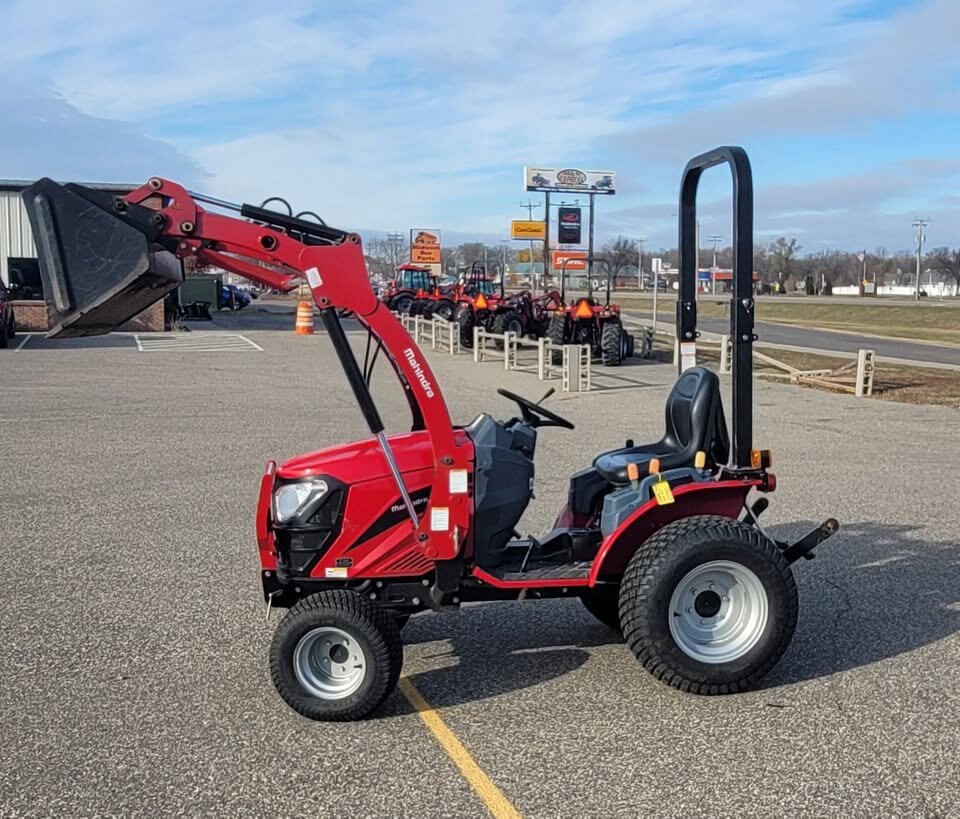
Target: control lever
546, 395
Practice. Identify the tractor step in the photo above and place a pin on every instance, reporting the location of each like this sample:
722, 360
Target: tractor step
544, 570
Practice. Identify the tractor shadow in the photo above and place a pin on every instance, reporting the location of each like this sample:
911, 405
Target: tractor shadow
495, 649
874, 592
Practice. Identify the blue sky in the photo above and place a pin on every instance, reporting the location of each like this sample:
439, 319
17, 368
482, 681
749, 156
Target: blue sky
385, 116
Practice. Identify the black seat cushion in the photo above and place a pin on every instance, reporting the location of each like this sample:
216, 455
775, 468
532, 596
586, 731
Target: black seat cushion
694, 422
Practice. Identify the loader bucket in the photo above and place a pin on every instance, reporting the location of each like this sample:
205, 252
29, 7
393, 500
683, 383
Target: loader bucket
97, 266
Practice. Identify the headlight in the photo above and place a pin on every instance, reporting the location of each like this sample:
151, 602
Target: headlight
290, 498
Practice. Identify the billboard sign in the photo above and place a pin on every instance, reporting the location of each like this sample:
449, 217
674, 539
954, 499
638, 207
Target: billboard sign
569, 226
570, 180
575, 259
523, 229
424, 246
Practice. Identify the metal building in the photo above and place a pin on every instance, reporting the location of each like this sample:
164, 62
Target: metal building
18, 254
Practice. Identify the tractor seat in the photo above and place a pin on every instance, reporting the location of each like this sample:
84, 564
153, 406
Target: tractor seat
694, 421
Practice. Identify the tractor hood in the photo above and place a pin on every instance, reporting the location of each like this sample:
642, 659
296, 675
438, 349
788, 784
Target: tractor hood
364, 460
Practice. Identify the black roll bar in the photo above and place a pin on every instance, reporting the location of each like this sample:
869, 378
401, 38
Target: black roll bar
742, 302
589, 261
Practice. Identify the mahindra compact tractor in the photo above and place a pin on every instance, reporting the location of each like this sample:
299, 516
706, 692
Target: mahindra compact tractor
660, 540
477, 297
407, 286
587, 321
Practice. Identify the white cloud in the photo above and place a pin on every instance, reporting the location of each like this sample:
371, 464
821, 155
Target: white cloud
383, 115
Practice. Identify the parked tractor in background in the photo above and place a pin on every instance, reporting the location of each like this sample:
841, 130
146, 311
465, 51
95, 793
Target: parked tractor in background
587, 321
409, 283
477, 298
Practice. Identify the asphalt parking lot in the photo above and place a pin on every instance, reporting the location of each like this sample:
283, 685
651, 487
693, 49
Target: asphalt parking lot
134, 674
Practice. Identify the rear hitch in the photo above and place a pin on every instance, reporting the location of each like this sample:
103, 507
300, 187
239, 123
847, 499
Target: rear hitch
805, 546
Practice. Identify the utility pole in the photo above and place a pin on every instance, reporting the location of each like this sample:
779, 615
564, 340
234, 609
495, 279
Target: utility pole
921, 227
640, 244
531, 206
590, 244
715, 239
396, 242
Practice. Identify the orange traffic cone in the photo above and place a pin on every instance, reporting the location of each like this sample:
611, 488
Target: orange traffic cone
305, 318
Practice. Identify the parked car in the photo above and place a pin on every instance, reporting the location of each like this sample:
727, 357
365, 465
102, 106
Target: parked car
8, 323
233, 298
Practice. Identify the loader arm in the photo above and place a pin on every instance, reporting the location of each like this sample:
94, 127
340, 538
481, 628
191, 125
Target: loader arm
104, 258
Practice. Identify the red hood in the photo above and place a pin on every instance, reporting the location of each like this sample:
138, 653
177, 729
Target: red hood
363, 460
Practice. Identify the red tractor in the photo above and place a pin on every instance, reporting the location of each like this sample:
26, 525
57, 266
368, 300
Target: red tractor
477, 298
408, 285
660, 541
587, 321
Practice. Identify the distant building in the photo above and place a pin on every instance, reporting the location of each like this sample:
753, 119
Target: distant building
18, 254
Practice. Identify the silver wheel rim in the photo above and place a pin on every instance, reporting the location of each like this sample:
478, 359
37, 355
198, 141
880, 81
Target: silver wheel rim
329, 663
718, 612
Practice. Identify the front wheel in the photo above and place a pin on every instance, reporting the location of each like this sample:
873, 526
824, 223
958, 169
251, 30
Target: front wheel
336, 656
466, 321
708, 605
613, 344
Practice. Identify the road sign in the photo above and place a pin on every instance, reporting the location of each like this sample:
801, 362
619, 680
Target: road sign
522, 229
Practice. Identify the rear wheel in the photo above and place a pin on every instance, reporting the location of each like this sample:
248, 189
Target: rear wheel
466, 321
336, 656
613, 343
401, 303
708, 605
557, 334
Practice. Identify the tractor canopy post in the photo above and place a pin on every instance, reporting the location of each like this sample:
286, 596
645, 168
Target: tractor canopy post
742, 301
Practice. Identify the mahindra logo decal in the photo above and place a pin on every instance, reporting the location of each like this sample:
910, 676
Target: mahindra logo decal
418, 371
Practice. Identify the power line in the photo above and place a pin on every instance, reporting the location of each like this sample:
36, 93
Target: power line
530, 206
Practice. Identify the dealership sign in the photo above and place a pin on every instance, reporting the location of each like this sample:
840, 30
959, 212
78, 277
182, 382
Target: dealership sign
523, 229
571, 180
424, 246
569, 223
575, 259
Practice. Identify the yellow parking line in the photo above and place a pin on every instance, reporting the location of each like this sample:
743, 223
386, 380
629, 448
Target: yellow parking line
498, 804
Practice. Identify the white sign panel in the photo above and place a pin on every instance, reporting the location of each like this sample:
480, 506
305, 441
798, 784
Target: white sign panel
571, 180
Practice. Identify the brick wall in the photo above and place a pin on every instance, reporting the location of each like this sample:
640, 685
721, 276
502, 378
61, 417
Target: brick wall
32, 316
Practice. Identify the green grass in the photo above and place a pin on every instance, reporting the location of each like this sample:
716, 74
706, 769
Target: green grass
926, 321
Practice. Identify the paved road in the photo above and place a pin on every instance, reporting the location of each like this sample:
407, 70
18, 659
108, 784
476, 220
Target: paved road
816, 339
133, 676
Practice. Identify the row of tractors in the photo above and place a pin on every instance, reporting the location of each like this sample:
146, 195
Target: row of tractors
479, 300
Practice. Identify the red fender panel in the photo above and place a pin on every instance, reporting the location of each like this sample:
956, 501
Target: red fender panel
724, 498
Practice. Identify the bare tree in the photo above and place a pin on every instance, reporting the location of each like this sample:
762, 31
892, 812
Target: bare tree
620, 255
783, 251
945, 262
385, 255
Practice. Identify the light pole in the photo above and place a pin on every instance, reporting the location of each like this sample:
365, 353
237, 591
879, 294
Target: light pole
715, 240
640, 244
529, 205
921, 227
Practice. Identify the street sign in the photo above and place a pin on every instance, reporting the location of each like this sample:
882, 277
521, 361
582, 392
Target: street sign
522, 229
424, 246
571, 180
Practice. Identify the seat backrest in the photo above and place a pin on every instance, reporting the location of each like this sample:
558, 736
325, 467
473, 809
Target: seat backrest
694, 416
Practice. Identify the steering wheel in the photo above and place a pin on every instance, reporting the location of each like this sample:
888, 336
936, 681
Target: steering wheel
534, 414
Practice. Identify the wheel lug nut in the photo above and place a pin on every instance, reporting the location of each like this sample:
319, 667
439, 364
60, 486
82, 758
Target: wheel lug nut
690, 610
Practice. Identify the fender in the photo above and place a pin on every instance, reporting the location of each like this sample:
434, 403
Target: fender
724, 498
